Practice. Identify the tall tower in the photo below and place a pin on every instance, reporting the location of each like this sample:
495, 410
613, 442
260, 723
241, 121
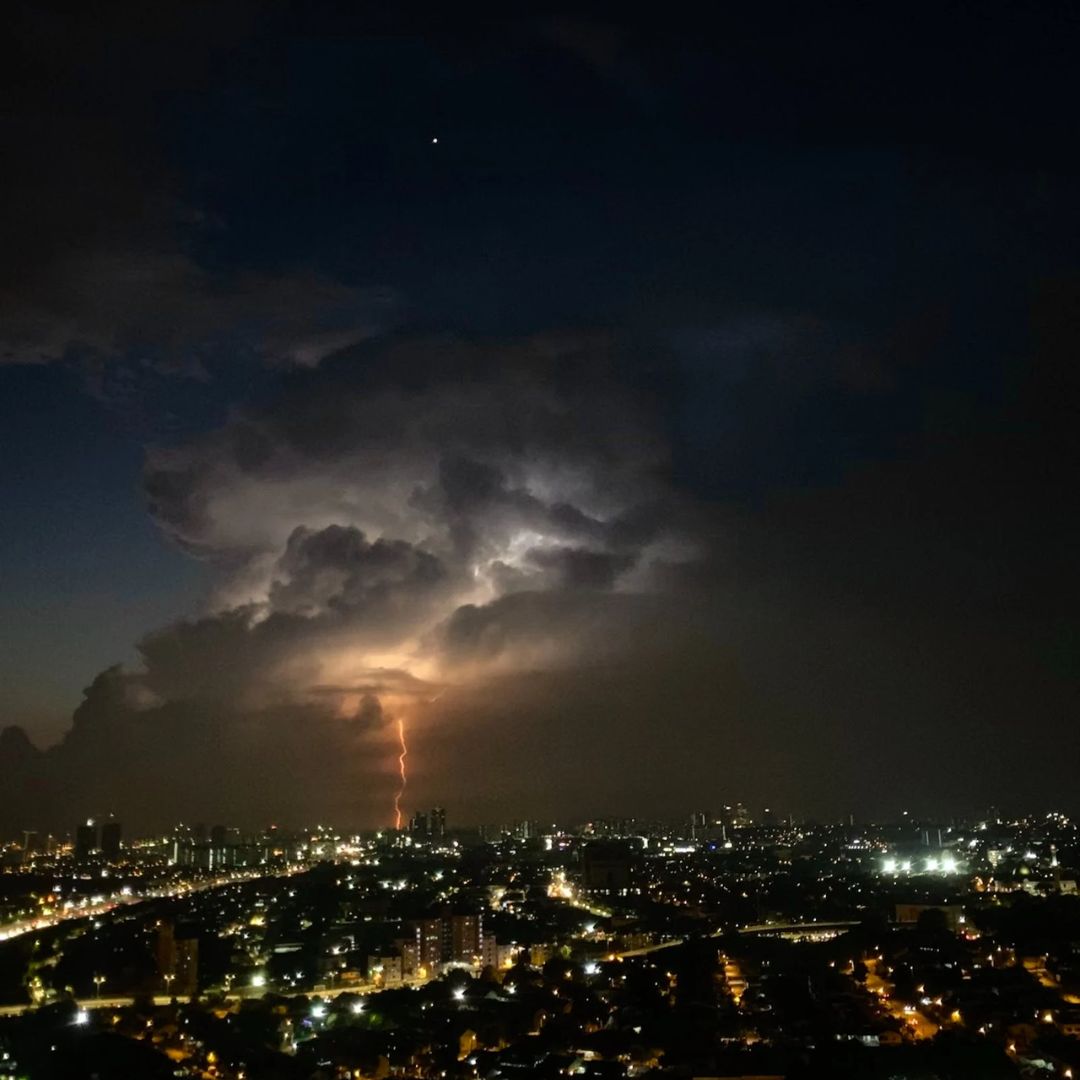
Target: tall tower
110, 840
85, 841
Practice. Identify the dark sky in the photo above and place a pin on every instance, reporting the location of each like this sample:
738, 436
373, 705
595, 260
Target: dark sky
651, 411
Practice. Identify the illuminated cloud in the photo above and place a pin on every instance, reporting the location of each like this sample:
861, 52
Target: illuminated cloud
401, 520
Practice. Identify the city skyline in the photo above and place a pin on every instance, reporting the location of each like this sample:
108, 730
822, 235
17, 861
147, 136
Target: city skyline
106, 834
715, 945
536, 541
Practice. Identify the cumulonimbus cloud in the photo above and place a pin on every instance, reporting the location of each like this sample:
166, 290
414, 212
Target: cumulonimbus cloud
403, 518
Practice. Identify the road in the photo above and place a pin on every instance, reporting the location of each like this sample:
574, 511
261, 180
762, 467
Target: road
124, 1000
103, 907
1037, 966
918, 1023
26, 926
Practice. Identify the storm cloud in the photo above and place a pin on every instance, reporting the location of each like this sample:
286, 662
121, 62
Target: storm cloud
491, 541
799, 521
404, 520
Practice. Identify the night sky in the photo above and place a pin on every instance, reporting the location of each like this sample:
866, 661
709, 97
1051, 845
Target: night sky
648, 412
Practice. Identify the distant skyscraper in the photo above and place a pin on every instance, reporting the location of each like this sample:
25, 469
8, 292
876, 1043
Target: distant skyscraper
110, 840
85, 841
428, 823
217, 854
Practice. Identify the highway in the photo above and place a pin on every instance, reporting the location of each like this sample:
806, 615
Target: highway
323, 993
91, 910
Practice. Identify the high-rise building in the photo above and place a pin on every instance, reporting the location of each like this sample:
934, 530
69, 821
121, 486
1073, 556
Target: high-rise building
177, 954
465, 934
181, 838
217, 853
165, 952
429, 942
526, 830
85, 841
187, 962
428, 823
609, 869
110, 840
409, 952
489, 951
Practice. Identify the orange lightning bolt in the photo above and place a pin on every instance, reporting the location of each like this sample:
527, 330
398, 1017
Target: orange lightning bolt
401, 769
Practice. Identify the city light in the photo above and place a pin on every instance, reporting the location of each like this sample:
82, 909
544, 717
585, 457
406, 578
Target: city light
260, 922
680, 449
932, 864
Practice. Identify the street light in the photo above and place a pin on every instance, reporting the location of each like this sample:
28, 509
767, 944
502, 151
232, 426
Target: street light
168, 984
98, 980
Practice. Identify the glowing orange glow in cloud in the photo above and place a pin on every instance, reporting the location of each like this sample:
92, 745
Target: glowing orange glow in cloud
401, 769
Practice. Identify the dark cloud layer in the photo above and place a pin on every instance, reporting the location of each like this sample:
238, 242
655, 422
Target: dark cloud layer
801, 522
486, 538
